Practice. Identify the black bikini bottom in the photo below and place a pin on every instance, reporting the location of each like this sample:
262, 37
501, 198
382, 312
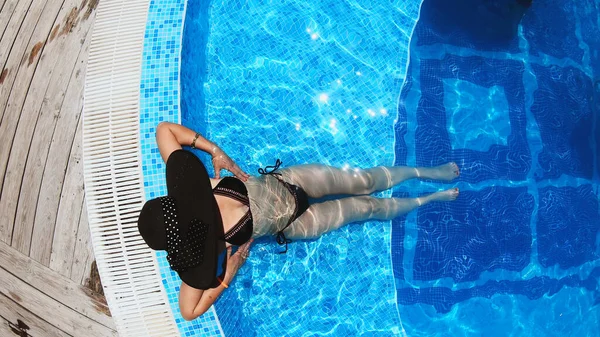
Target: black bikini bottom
300, 197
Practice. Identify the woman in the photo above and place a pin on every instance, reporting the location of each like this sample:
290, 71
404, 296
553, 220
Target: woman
196, 221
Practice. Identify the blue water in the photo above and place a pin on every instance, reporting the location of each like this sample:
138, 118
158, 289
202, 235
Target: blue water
363, 83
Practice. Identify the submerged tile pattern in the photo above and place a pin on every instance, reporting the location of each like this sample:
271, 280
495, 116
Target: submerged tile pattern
305, 82
563, 110
159, 101
473, 235
522, 243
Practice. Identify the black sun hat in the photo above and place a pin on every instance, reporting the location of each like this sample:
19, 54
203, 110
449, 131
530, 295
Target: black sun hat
187, 223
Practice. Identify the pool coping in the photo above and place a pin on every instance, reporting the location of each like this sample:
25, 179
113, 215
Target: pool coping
112, 171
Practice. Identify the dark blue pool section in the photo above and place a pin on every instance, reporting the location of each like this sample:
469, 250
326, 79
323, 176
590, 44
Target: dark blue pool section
563, 111
397, 240
442, 299
527, 223
474, 235
475, 24
551, 28
567, 228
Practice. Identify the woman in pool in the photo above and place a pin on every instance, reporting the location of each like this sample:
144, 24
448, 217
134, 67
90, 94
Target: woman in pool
201, 216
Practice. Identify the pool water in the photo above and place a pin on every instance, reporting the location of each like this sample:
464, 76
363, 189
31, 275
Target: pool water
367, 83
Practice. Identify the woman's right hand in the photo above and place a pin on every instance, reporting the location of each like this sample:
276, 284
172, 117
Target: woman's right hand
235, 261
221, 161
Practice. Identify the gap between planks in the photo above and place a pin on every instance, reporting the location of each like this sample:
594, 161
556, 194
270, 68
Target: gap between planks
18, 94
44, 217
70, 294
42, 305
12, 312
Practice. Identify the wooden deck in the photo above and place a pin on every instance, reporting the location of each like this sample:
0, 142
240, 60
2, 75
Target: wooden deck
46, 255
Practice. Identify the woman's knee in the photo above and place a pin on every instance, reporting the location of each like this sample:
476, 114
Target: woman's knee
358, 207
367, 181
382, 208
368, 207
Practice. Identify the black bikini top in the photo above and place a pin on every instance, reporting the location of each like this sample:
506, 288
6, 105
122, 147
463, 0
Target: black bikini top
235, 189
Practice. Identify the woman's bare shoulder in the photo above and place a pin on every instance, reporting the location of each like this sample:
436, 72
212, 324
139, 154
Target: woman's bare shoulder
214, 182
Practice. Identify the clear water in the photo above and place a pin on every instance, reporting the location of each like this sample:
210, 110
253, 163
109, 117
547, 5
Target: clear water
336, 83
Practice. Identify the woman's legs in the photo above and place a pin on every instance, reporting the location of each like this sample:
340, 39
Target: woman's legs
321, 180
323, 217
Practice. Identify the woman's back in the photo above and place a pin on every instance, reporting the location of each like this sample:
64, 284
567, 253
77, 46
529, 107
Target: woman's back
271, 204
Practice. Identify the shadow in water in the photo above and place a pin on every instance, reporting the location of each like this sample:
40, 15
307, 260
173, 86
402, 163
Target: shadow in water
478, 24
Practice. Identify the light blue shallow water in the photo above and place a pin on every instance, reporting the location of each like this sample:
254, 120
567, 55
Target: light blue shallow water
307, 82
517, 254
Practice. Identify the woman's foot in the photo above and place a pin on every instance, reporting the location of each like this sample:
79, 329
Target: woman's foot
447, 195
446, 172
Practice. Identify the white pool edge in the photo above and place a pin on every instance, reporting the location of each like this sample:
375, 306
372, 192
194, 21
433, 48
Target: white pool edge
112, 172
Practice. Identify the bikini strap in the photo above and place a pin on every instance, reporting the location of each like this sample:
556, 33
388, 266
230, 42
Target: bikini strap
227, 192
272, 169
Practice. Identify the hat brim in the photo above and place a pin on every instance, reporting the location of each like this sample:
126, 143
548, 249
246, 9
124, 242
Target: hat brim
188, 182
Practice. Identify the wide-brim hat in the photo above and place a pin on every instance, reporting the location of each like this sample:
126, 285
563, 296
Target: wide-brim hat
187, 223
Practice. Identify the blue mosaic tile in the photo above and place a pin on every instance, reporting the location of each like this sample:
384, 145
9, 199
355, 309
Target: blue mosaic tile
475, 24
397, 244
401, 126
567, 226
194, 64
482, 230
589, 20
489, 161
568, 136
549, 27
443, 299
159, 101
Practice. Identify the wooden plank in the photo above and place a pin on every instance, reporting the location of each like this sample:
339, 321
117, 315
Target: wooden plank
65, 100
65, 189
8, 7
56, 286
5, 330
13, 94
12, 312
42, 305
84, 251
40, 121
19, 193
13, 17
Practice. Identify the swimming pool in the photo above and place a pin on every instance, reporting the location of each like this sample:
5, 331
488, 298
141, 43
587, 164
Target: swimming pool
365, 83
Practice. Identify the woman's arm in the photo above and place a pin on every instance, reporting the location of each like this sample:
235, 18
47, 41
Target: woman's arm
171, 137
195, 302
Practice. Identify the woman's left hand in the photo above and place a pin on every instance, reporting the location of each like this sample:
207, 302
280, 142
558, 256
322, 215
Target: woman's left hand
235, 261
221, 161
